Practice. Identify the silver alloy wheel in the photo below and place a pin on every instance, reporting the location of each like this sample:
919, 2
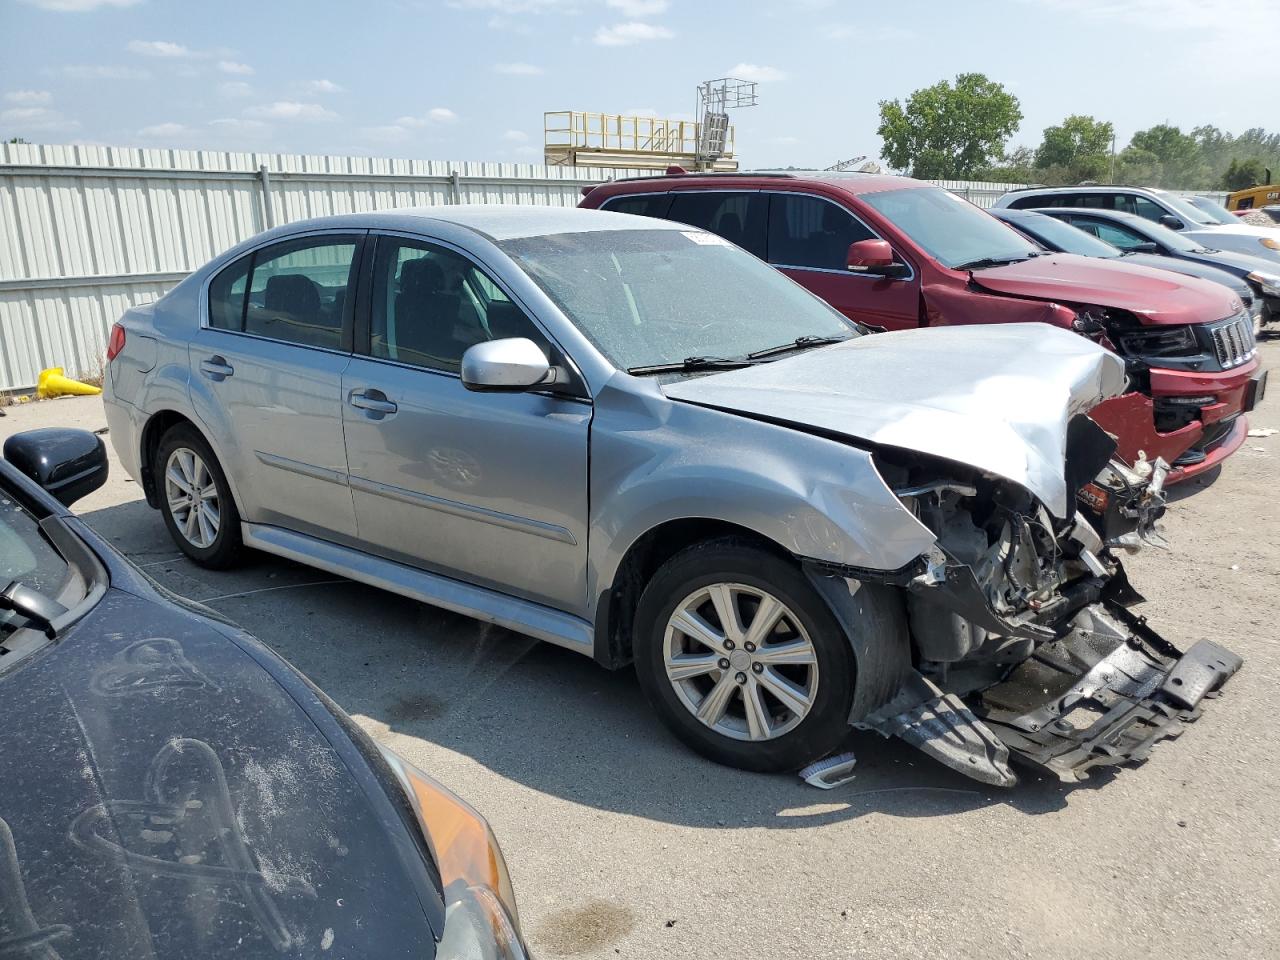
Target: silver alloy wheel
192, 496
740, 661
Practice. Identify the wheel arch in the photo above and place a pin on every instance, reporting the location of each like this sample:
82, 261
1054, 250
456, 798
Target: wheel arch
616, 604
153, 431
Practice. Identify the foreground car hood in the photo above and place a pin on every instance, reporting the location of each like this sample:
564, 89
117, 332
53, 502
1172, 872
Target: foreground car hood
162, 796
998, 398
1155, 296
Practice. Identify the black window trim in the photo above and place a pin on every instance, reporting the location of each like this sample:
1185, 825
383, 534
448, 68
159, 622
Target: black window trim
359, 235
604, 204
578, 390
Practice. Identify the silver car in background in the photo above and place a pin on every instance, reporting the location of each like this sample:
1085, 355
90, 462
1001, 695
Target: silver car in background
633, 439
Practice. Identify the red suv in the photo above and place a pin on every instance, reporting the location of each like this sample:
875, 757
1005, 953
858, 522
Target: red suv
899, 253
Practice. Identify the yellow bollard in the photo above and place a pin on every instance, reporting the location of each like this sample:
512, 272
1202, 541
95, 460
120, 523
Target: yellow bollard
53, 384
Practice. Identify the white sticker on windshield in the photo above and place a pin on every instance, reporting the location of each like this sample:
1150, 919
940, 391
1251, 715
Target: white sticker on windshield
706, 239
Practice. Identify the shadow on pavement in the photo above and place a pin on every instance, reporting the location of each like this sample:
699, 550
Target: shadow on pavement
533, 713
1189, 488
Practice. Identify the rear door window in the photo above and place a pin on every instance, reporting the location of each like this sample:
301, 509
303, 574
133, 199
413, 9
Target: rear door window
642, 205
298, 291
811, 233
1112, 233
739, 217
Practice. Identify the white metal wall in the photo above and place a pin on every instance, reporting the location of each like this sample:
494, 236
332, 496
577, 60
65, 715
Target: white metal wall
87, 231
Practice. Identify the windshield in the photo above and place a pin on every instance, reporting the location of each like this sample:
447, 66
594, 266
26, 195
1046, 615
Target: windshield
27, 557
1213, 209
648, 297
1065, 237
1188, 211
951, 230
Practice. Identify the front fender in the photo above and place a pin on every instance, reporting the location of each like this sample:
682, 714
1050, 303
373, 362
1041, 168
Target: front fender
655, 460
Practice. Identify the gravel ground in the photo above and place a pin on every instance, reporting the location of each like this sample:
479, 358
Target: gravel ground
622, 843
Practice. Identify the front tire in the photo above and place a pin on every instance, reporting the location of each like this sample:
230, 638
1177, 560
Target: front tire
742, 659
195, 499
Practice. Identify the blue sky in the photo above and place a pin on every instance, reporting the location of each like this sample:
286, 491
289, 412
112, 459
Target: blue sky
470, 79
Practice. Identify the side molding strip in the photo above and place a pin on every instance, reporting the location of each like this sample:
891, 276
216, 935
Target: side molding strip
522, 616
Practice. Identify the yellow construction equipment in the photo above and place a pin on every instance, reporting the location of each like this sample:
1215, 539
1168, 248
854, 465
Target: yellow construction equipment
53, 384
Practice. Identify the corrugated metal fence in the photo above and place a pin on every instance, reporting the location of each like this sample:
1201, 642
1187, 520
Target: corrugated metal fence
86, 232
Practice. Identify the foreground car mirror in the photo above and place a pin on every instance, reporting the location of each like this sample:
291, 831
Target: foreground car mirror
1172, 222
69, 464
1147, 247
515, 363
874, 257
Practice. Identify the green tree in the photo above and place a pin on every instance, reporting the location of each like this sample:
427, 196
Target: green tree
1242, 174
1178, 154
1014, 167
1077, 139
949, 131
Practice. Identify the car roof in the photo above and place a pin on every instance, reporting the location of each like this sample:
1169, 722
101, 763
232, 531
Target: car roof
1091, 188
495, 221
847, 181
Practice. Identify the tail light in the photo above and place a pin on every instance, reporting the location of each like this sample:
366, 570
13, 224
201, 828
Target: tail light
115, 343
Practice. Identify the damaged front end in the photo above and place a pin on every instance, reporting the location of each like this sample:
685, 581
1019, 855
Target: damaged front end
1022, 642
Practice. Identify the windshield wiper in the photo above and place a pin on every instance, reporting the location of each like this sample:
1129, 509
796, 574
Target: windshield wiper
31, 604
983, 262
808, 340
691, 363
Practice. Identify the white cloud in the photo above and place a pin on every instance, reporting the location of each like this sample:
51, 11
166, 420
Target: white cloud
518, 69
25, 119
160, 131
165, 49
387, 133
528, 151
322, 86
515, 6
235, 88
639, 8
515, 136
79, 6
756, 72
92, 72
290, 110
235, 68
441, 115
625, 34
28, 98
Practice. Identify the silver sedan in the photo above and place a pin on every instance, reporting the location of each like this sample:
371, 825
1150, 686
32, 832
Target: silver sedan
635, 440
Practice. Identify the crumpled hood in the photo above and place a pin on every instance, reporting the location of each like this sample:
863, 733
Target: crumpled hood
997, 398
1155, 296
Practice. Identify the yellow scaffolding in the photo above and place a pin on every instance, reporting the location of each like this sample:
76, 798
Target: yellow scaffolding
573, 137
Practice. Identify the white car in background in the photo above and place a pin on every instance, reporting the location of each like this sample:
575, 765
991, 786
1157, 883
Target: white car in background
1159, 206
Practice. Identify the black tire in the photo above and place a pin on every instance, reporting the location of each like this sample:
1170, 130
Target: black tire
738, 561
226, 547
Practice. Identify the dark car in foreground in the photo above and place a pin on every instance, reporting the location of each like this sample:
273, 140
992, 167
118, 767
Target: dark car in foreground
1061, 237
1133, 233
169, 787
901, 254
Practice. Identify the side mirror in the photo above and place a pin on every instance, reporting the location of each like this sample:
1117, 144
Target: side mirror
1172, 222
1144, 247
873, 257
515, 363
69, 464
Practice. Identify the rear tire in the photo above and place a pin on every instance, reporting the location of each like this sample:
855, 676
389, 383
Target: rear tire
195, 499
766, 696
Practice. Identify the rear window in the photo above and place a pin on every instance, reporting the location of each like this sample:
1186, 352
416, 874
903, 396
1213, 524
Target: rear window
643, 205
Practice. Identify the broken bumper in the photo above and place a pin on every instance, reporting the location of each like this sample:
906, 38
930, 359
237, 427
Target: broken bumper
1103, 694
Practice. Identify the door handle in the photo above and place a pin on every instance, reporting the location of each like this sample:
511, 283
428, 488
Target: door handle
216, 368
373, 401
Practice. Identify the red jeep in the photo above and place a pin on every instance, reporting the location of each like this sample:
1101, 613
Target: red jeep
896, 253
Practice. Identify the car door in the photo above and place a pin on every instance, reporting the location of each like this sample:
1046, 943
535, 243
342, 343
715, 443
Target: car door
808, 240
1115, 234
266, 380
490, 488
